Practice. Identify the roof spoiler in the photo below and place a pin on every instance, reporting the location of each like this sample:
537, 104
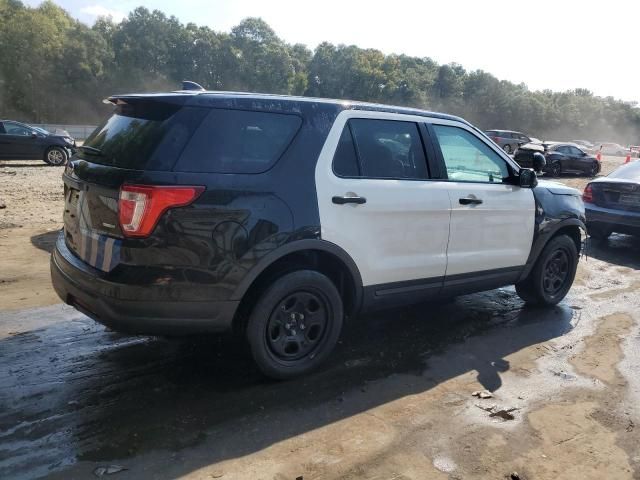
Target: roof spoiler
189, 85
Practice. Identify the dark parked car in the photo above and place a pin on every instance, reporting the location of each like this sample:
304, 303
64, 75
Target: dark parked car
278, 217
508, 140
612, 203
19, 141
570, 158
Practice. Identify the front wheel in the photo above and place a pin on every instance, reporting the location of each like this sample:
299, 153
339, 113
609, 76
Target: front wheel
295, 324
56, 156
553, 274
555, 170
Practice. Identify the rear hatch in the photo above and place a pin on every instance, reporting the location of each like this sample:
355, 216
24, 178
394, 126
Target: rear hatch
617, 195
141, 136
163, 144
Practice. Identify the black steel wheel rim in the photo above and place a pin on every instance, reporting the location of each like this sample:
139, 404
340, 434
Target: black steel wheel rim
298, 325
556, 272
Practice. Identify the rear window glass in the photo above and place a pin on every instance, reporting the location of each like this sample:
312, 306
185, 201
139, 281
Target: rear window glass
142, 135
630, 171
237, 141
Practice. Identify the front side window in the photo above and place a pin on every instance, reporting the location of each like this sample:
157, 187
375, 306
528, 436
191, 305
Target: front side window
15, 129
385, 149
467, 158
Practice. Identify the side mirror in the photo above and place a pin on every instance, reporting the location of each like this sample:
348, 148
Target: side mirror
539, 162
528, 178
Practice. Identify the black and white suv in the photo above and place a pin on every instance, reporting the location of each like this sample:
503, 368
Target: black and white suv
278, 217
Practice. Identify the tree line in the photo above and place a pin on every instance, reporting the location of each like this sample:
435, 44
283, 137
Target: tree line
55, 69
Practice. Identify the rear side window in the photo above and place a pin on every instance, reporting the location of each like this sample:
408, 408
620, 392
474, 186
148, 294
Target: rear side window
380, 149
238, 141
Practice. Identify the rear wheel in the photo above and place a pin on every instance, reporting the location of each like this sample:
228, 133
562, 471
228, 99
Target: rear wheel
553, 274
295, 324
56, 156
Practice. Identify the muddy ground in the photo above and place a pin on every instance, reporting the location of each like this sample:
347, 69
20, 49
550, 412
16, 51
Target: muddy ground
395, 401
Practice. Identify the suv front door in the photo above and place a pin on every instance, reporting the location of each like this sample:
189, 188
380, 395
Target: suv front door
492, 221
377, 203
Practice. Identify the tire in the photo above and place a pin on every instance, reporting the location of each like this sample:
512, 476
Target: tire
295, 324
507, 148
593, 171
556, 169
56, 156
553, 274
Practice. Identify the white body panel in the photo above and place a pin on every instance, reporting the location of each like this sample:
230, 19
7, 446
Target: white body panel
400, 233
495, 234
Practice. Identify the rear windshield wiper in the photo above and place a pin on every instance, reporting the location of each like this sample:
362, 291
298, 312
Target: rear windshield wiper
91, 150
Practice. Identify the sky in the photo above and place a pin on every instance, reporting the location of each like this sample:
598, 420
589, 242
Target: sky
557, 45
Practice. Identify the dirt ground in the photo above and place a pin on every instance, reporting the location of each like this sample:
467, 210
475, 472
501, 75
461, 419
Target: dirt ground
395, 401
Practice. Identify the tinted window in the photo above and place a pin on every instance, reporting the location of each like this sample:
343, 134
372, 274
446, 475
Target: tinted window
143, 135
15, 129
576, 151
345, 162
389, 149
467, 158
236, 141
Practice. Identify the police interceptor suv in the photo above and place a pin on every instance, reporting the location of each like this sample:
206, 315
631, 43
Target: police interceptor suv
279, 217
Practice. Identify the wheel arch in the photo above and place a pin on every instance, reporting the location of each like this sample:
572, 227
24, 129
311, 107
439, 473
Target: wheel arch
571, 227
313, 254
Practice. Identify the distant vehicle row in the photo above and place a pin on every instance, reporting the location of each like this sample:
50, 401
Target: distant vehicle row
561, 158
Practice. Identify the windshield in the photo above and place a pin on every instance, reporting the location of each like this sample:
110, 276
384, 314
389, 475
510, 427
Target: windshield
40, 130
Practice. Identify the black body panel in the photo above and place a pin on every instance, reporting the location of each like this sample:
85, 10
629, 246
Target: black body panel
553, 213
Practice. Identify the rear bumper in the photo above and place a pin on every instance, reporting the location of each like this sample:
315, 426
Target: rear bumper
611, 219
83, 287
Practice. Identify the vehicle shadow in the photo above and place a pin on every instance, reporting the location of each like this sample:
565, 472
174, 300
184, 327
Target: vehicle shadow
45, 241
618, 249
105, 396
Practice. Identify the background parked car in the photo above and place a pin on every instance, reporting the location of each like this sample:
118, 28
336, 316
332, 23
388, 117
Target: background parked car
585, 145
508, 140
19, 141
612, 203
612, 149
569, 158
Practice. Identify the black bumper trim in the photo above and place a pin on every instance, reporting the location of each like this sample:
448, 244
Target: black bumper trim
81, 288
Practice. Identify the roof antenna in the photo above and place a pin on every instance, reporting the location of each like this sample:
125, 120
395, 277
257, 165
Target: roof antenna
188, 85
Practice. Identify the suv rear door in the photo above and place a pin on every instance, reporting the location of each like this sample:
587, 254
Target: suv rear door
492, 221
377, 203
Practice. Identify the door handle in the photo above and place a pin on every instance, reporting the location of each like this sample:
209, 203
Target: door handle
470, 201
342, 200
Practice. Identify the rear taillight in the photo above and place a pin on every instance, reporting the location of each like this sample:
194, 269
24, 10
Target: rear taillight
587, 196
141, 206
